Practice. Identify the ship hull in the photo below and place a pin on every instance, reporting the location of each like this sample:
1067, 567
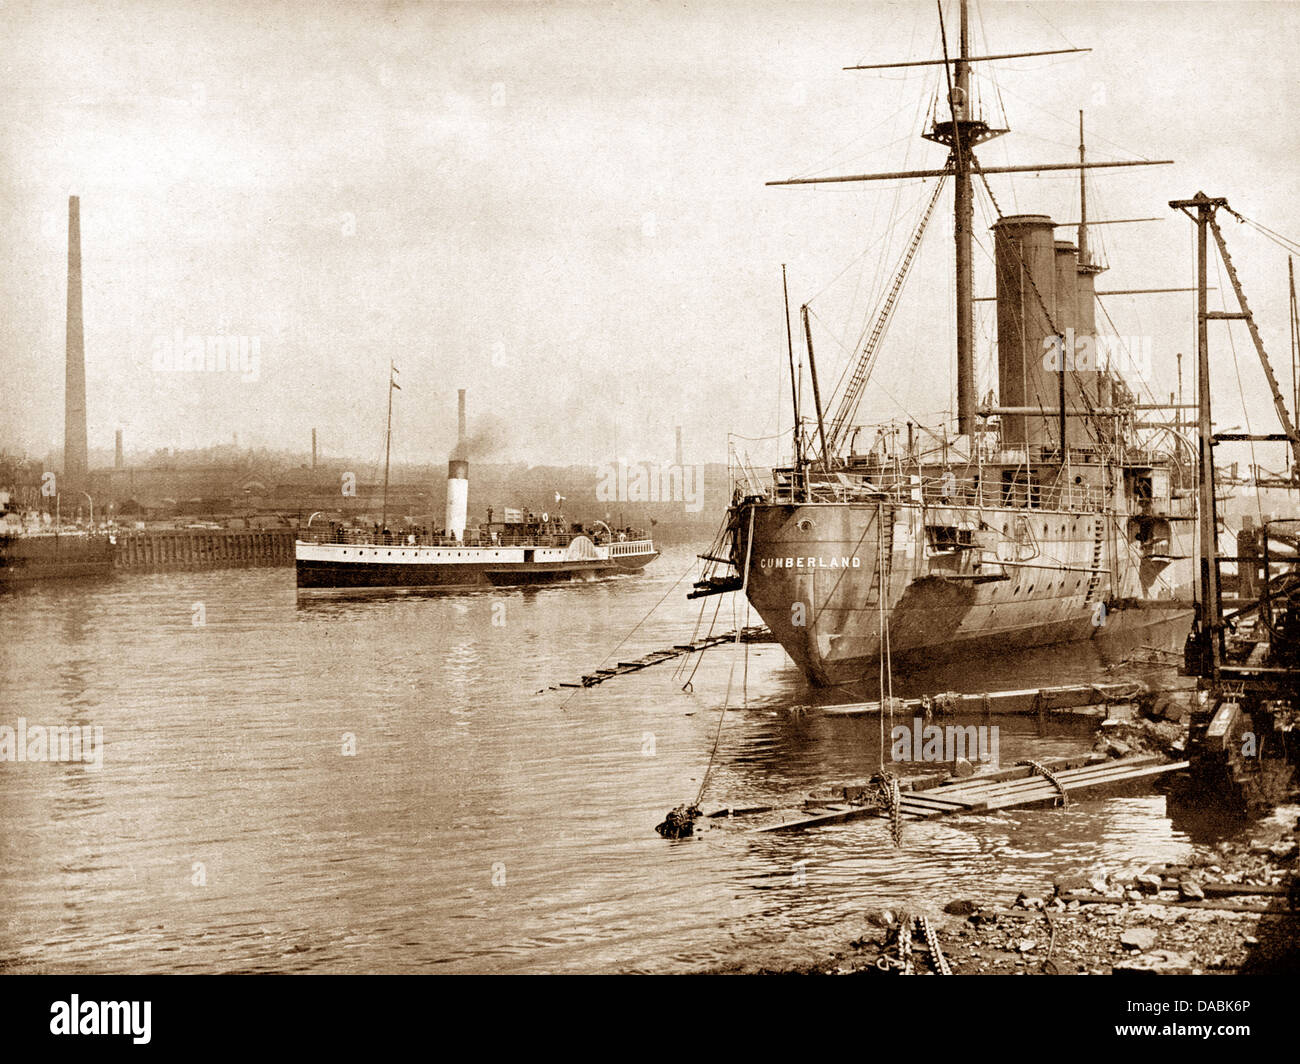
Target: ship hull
34, 558
326, 566
839, 584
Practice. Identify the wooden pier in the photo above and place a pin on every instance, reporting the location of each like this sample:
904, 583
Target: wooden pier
1023, 785
203, 549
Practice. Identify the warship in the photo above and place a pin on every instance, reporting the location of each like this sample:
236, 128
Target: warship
1053, 514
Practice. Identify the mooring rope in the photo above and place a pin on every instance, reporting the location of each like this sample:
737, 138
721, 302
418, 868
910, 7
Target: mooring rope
717, 736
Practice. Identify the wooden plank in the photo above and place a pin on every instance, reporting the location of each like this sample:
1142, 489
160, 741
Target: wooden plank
836, 817
1019, 701
1226, 906
925, 798
1031, 777
1048, 791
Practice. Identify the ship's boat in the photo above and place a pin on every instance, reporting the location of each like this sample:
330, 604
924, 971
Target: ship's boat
1054, 513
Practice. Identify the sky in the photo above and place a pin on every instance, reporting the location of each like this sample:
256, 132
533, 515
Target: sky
562, 209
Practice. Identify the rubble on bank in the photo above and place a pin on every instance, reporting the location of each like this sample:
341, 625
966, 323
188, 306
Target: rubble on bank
1231, 908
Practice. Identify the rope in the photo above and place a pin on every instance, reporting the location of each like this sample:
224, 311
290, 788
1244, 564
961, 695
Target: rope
565, 704
1046, 773
717, 736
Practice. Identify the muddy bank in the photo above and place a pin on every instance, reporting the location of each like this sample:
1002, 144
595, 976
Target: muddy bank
1227, 910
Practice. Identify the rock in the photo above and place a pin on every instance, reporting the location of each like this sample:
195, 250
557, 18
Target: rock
1190, 890
1139, 938
961, 907
883, 919
1170, 707
1025, 945
1148, 883
1157, 962
1284, 851
1097, 884
1070, 884
1132, 895
962, 769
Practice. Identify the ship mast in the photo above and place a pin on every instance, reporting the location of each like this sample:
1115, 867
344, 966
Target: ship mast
963, 224
794, 380
961, 134
1083, 202
388, 441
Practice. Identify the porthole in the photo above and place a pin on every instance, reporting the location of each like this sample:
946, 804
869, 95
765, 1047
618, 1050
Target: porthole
804, 525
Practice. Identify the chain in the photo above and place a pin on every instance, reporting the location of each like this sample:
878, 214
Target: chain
937, 958
1048, 966
905, 944
891, 798
1046, 773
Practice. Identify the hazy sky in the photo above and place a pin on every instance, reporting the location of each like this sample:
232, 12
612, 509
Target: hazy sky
562, 209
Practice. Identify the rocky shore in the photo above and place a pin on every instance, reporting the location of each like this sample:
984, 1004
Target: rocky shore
1231, 908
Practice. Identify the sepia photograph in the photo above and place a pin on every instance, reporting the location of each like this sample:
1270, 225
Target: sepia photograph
639, 488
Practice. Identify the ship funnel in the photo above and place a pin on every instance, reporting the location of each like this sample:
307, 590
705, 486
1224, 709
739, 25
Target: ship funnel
1025, 257
458, 478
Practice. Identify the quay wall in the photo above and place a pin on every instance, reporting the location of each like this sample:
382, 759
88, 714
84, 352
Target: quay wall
204, 549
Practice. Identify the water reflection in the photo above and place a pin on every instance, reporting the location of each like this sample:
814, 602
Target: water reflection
484, 821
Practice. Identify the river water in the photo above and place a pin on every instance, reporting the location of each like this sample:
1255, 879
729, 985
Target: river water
390, 784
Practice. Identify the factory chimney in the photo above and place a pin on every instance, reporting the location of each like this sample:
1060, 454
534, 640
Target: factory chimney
680, 462
75, 458
118, 463
313, 450
458, 478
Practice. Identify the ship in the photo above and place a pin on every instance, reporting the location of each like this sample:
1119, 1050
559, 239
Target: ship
514, 547
29, 554
1057, 513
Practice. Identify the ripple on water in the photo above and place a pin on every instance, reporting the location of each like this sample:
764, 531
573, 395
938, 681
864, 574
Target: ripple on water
479, 825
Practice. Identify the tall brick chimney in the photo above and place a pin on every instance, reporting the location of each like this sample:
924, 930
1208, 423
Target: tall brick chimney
75, 458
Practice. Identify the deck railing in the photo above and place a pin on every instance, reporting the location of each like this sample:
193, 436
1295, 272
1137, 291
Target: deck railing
412, 539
